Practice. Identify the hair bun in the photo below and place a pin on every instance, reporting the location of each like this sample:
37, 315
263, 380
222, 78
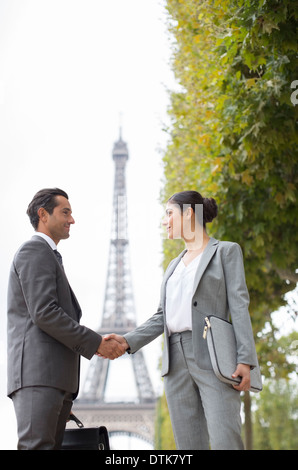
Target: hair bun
209, 209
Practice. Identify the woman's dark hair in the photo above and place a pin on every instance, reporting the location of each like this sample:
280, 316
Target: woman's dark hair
45, 198
186, 199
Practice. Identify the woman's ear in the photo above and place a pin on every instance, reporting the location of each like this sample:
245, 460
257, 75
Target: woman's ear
189, 212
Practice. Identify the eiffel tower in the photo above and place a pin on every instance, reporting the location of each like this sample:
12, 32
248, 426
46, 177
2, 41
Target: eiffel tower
127, 416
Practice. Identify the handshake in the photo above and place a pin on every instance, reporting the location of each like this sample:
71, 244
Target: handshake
112, 346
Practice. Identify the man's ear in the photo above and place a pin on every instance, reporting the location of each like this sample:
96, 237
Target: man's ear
42, 214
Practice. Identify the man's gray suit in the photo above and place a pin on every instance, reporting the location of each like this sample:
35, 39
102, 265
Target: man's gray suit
45, 339
219, 289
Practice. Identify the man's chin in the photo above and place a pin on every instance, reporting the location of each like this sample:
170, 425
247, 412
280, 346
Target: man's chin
65, 236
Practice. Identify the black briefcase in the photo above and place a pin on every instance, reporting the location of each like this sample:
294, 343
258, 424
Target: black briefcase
82, 438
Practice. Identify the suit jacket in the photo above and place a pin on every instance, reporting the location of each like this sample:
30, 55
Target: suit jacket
219, 289
45, 339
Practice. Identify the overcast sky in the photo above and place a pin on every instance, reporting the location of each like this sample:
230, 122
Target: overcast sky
68, 68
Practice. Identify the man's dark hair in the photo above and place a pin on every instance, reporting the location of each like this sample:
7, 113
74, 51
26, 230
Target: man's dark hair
45, 198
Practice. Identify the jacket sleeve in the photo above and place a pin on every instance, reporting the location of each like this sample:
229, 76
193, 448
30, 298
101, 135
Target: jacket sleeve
147, 332
37, 273
238, 300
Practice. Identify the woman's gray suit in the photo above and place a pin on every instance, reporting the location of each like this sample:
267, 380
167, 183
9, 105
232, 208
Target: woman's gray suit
219, 289
44, 337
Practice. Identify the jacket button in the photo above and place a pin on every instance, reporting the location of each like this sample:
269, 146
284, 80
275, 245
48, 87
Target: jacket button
195, 303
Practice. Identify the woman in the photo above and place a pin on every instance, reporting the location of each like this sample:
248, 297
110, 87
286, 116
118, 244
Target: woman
207, 278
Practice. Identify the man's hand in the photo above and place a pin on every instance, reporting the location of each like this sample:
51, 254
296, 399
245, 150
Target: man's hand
242, 370
118, 338
111, 348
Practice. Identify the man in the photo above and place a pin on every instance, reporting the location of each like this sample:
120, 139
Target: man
45, 339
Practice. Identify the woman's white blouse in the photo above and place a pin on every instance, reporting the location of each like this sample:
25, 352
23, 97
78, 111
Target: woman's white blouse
179, 292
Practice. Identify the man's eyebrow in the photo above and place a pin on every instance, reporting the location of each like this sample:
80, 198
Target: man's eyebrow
66, 209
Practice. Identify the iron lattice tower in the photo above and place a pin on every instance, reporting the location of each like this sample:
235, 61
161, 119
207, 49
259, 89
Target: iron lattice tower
93, 405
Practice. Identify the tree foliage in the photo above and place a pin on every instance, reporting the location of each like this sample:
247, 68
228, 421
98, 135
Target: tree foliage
275, 420
234, 132
234, 137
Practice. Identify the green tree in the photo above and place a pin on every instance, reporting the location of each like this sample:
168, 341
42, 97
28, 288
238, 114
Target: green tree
233, 136
276, 418
164, 438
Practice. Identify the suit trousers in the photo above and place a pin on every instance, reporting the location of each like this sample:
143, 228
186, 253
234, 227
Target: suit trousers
41, 414
204, 411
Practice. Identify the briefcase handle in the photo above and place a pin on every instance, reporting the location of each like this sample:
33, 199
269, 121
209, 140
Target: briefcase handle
73, 417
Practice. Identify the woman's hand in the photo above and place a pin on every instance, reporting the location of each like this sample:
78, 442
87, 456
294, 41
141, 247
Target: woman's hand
112, 346
242, 370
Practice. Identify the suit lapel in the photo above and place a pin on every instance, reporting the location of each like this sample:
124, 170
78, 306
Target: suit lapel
74, 299
173, 266
75, 303
205, 260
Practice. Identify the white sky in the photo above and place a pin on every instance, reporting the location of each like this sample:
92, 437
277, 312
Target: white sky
68, 68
